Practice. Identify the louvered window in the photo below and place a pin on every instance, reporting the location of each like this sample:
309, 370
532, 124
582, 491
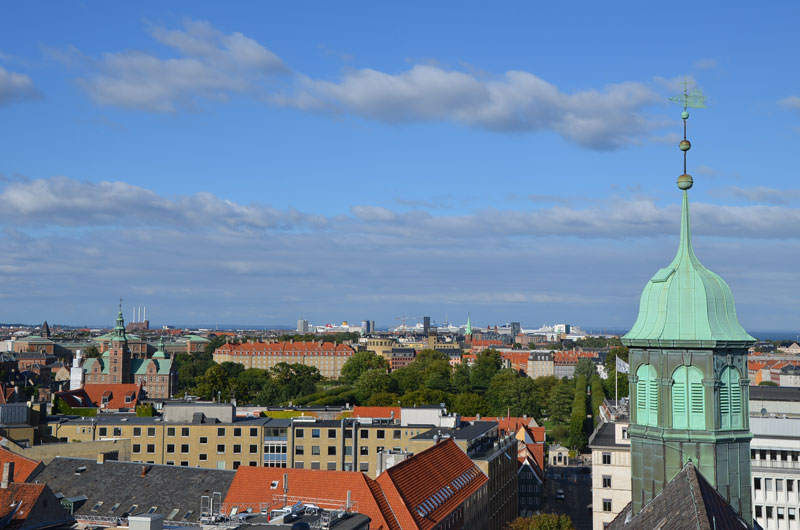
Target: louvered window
688, 399
646, 395
730, 399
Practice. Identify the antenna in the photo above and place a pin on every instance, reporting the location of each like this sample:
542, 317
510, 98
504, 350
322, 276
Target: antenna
691, 98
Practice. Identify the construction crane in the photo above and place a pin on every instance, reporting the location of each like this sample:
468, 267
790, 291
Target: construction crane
404, 318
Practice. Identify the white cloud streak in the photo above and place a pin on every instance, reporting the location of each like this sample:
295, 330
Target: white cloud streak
791, 102
16, 87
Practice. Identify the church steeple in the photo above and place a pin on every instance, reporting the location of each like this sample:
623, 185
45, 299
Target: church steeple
688, 360
118, 335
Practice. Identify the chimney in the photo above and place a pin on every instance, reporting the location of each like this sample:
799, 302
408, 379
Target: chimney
101, 458
8, 475
144, 471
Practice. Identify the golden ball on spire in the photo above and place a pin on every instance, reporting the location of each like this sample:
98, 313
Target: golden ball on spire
685, 181
684, 145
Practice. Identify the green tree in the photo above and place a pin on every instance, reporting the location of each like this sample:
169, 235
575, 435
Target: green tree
586, 368
407, 379
425, 396
383, 399
598, 395
294, 380
767, 383
91, 352
372, 382
621, 380
361, 362
577, 422
560, 403
470, 404
460, 379
145, 410
510, 393
543, 521
486, 366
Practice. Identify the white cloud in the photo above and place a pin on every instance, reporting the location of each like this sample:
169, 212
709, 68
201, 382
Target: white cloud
16, 87
210, 65
760, 194
791, 102
705, 64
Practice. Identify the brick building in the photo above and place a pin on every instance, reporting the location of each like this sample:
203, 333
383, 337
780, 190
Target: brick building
327, 357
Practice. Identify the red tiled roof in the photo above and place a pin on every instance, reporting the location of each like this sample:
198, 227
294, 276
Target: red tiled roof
16, 493
116, 395
410, 485
251, 488
376, 412
24, 468
286, 348
508, 424
76, 399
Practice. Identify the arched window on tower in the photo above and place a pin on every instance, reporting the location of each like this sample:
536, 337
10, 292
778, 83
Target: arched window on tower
688, 399
730, 399
646, 395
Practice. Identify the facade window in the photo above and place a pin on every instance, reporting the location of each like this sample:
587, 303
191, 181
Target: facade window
364, 450
381, 434
606, 505
779, 485
137, 431
204, 439
780, 512
185, 432
220, 448
331, 466
364, 434
331, 450
624, 433
769, 512
757, 483
170, 431
646, 395
236, 464
220, 431
363, 467
348, 450
151, 432
253, 431
331, 433
298, 433
170, 448
688, 399
298, 450
314, 449
314, 465
237, 449
136, 448
792, 514
102, 431
396, 434
315, 433
151, 448
606, 481
299, 465
253, 448
759, 512
730, 399
202, 457
606, 459
184, 448
237, 431
789, 485
768, 484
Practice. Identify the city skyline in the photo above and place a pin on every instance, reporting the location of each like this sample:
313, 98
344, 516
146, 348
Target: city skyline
377, 162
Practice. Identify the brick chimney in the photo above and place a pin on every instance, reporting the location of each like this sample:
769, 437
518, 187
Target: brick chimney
101, 458
8, 475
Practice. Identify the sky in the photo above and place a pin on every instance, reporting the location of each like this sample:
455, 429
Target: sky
256, 163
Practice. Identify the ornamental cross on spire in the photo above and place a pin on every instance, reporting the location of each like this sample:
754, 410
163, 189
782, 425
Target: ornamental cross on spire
691, 98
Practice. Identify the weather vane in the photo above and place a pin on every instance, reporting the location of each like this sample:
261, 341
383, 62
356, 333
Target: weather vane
691, 98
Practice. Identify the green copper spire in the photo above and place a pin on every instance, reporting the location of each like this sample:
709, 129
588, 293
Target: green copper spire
118, 334
468, 331
686, 305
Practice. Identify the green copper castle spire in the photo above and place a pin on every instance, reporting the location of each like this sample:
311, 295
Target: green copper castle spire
688, 373
119, 330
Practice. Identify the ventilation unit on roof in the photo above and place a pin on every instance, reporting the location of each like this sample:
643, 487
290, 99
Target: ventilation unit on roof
273, 485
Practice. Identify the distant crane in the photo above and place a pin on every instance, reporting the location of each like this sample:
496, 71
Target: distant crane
404, 318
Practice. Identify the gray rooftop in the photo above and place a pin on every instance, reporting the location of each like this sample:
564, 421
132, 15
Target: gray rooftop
467, 431
774, 393
604, 436
126, 484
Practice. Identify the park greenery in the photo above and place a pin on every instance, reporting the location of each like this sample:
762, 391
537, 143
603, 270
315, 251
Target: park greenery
543, 521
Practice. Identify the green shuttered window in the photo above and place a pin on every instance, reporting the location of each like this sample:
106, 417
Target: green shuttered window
646, 395
730, 399
688, 399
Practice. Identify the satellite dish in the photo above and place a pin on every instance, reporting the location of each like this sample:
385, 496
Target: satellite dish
763, 411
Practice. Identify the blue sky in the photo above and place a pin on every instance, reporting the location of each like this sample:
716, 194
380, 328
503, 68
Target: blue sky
257, 164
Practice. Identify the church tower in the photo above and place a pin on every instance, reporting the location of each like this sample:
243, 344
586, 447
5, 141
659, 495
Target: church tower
688, 373
119, 355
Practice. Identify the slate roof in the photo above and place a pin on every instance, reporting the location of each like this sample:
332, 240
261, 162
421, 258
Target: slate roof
774, 393
252, 486
688, 502
166, 487
423, 492
605, 436
467, 431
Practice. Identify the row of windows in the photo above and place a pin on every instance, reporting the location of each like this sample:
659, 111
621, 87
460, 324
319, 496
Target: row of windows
779, 512
184, 448
767, 484
688, 398
774, 455
380, 434
330, 466
185, 432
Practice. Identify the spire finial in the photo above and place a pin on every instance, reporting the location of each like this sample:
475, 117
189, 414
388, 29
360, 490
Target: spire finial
691, 98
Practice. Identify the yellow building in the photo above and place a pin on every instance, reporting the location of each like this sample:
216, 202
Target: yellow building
327, 357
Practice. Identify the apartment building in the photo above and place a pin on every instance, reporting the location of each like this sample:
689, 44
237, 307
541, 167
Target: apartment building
327, 357
205, 435
775, 468
540, 364
611, 471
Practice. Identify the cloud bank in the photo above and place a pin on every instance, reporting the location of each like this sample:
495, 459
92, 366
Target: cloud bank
16, 87
209, 65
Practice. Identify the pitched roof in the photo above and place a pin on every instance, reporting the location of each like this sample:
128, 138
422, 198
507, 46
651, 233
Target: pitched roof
124, 484
118, 396
286, 347
507, 424
423, 492
252, 487
76, 399
688, 502
16, 501
24, 468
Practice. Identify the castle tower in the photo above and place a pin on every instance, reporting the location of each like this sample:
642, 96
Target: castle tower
688, 374
119, 355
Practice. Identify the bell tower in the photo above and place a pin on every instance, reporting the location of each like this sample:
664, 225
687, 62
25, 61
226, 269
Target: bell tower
688, 372
119, 355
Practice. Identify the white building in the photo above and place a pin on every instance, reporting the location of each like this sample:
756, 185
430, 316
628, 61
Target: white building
775, 464
76, 372
611, 471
